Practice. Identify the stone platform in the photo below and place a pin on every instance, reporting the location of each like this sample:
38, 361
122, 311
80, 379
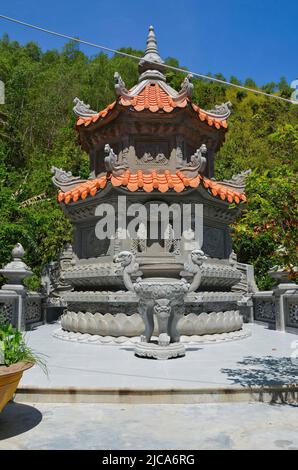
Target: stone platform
259, 366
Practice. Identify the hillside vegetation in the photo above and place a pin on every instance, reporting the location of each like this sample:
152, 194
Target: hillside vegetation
37, 131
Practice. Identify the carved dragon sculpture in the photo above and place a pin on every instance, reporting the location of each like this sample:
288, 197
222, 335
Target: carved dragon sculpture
198, 159
197, 162
186, 90
197, 258
111, 162
221, 110
128, 261
82, 109
120, 87
65, 180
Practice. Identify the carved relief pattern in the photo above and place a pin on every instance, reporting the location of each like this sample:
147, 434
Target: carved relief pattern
139, 244
123, 325
213, 242
264, 310
179, 152
125, 150
32, 310
6, 311
93, 246
292, 313
172, 245
152, 153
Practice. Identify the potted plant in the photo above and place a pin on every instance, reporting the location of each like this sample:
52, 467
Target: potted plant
15, 358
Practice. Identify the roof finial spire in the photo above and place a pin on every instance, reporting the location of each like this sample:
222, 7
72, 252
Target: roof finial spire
151, 55
151, 48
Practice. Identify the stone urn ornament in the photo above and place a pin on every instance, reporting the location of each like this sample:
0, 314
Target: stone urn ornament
16, 270
163, 297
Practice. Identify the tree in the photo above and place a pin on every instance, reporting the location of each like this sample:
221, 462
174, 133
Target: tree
269, 221
37, 131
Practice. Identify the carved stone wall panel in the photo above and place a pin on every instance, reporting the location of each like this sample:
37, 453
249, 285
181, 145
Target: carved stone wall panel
214, 242
32, 308
91, 246
7, 311
291, 312
264, 310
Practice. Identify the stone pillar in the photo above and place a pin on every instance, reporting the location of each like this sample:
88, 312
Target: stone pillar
14, 292
280, 293
245, 306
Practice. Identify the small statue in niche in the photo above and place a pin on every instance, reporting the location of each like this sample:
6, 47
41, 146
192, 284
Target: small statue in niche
160, 158
179, 153
147, 157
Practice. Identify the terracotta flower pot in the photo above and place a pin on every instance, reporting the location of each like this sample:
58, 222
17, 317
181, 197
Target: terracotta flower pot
9, 380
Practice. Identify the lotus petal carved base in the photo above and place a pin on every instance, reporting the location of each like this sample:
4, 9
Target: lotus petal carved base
124, 340
155, 351
132, 325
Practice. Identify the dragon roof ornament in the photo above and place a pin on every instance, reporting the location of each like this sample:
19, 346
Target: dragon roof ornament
82, 109
237, 182
120, 87
186, 89
222, 110
65, 180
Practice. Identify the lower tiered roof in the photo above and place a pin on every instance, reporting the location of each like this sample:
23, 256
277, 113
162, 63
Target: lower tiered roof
149, 182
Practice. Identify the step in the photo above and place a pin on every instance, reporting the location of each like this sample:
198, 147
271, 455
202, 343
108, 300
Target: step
268, 394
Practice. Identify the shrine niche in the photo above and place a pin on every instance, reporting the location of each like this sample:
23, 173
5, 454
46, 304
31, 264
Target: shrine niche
153, 143
152, 153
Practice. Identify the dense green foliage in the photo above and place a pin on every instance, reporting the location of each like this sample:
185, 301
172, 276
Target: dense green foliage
37, 131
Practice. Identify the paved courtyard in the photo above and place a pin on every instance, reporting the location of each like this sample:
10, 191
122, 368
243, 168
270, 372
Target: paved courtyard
264, 358
98, 426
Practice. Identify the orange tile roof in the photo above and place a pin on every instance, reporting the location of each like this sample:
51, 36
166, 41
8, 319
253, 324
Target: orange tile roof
154, 98
95, 117
148, 182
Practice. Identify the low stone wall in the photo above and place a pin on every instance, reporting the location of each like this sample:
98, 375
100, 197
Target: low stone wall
277, 308
21, 310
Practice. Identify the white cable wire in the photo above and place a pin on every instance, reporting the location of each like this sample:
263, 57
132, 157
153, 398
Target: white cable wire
131, 56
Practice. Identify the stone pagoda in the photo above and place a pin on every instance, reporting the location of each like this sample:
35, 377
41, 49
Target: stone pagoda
151, 145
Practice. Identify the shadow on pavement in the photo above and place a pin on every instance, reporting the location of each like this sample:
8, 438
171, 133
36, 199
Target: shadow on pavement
17, 418
267, 371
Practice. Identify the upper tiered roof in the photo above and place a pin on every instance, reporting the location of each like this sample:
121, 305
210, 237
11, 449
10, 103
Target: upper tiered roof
153, 94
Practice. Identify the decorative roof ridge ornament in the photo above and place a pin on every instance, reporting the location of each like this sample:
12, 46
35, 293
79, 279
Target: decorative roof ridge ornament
237, 182
112, 164
16, 270
82, 109
197, 163
64, 180
221, 111
186, 89
150, 64
120, 87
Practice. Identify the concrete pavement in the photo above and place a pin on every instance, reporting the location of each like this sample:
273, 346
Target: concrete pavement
98, 426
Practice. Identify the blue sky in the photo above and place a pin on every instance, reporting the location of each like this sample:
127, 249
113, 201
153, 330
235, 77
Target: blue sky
257, 39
